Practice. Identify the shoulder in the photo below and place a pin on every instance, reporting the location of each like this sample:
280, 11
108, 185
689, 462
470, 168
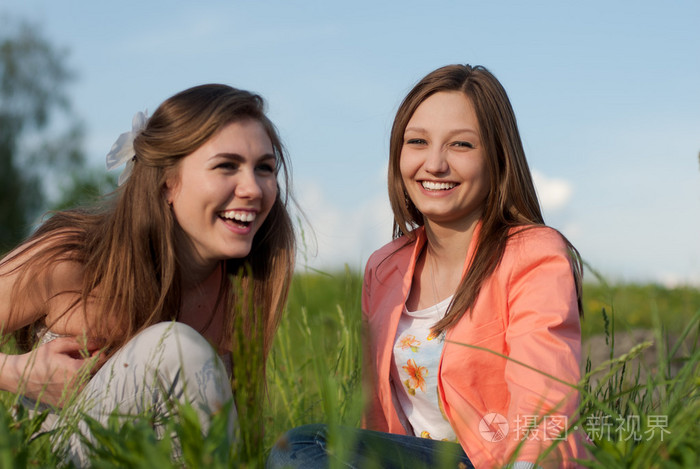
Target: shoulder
392, 256
388, 264
536, 240
537, 253
34, 249
534, 246
32, 275
48, 259
390, 249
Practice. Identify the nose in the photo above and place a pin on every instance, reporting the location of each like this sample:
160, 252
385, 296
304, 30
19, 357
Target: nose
436, 161
248, 186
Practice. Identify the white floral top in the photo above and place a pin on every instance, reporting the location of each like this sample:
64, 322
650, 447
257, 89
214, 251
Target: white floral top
416, 360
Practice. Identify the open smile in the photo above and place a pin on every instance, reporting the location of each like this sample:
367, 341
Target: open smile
238, 218
437, 186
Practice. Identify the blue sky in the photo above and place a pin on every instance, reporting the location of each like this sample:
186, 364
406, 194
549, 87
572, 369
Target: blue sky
607, 96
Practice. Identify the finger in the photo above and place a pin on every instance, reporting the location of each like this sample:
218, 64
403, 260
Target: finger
65, 344
74, 347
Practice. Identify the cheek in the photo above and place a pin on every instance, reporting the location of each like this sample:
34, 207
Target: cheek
474, 169
484, 179
406, 166
269, 189
483, 185
268, 201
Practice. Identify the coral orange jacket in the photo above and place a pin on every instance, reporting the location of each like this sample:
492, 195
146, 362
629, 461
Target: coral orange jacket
527, 311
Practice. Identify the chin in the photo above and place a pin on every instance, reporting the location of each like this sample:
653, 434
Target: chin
238, 253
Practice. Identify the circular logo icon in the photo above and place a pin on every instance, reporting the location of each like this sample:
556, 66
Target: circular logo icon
493, 427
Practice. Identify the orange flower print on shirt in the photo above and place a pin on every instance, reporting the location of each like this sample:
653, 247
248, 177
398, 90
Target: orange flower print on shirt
416, 375
409, 341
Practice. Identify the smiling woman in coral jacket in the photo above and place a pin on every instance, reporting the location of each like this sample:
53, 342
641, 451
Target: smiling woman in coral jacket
472, 311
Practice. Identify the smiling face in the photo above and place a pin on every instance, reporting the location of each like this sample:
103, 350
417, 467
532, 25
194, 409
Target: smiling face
442, 161
223, 193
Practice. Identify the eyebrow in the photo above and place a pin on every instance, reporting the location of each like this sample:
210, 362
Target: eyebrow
452, 132
240, 158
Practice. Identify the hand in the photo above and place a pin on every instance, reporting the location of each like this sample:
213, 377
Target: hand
57, 370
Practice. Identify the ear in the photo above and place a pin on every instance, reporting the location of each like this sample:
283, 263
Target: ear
170, 189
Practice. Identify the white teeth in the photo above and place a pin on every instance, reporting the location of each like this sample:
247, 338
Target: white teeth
437, 186
246, 217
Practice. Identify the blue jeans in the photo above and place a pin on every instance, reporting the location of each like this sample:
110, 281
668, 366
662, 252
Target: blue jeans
306, 447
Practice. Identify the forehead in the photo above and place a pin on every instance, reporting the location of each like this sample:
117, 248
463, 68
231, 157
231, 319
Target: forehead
246, 134
246, 139
445, 107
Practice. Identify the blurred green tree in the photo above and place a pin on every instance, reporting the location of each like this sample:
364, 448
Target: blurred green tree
42, 162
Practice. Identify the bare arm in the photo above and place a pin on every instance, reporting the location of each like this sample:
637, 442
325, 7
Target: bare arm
46, 372
49, 373
15, 312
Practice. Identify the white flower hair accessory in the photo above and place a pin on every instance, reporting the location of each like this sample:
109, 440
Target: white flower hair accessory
123, 149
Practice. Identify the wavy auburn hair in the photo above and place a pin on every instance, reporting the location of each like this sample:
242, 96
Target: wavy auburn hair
511, 202
126, 245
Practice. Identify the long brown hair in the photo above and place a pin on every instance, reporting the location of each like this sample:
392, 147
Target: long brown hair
512, 201
126, 245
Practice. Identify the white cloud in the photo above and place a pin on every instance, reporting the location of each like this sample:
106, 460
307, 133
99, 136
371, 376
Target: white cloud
553, 193
675, 279
335, 234
340, 235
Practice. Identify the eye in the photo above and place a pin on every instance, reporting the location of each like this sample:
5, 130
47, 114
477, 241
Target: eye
462, 144
227, 166
267, 168
415, 141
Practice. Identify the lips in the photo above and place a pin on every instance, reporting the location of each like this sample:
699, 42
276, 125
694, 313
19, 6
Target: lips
438, 186
238, 217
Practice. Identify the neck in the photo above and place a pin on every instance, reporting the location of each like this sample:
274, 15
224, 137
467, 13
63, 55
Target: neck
197, 275
200, 307
449, 246
195, 270
444, 258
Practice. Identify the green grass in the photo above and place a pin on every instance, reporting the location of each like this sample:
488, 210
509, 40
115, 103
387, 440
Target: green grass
314, 375
636, 305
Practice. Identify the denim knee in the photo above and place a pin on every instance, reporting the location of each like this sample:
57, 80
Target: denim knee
303, 446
